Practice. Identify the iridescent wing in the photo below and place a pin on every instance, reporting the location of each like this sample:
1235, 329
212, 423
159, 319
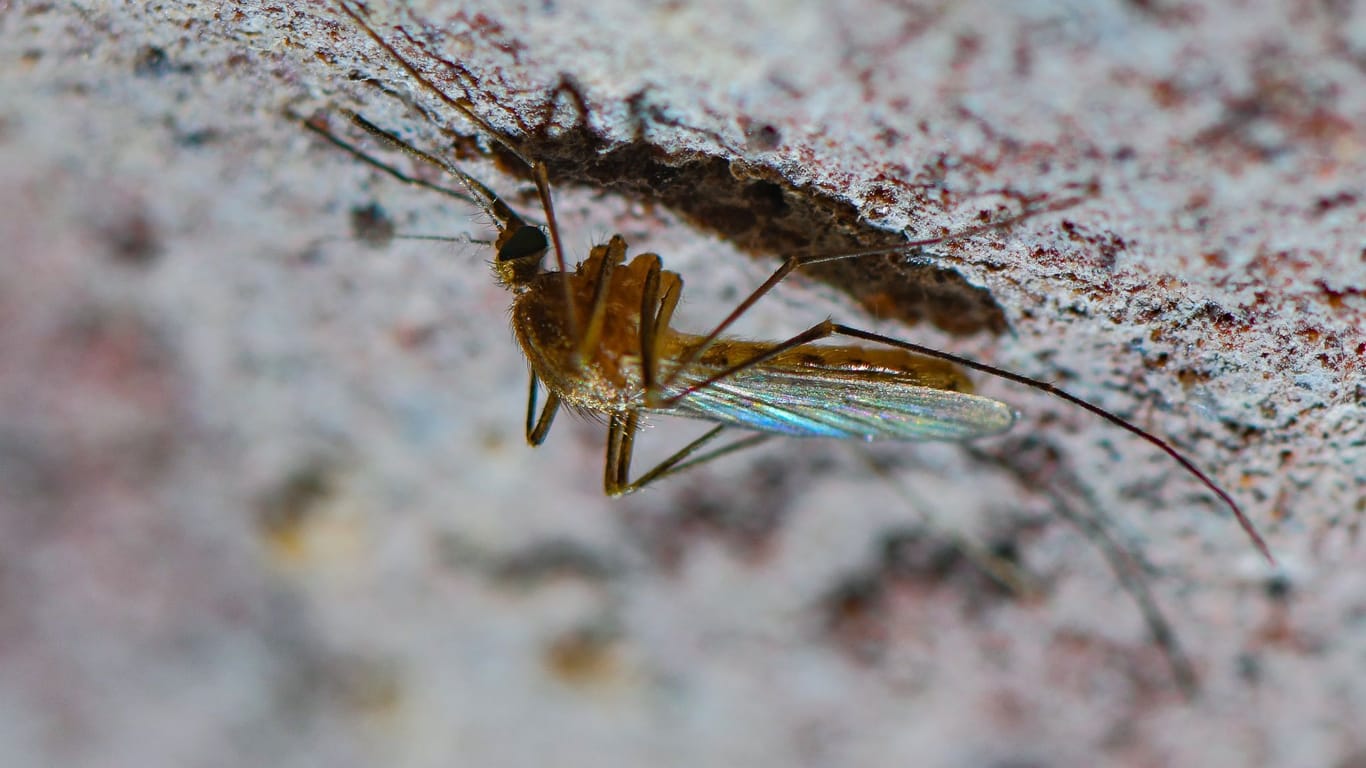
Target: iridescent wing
830, 402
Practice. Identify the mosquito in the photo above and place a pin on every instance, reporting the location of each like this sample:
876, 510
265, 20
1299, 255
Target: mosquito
599, 338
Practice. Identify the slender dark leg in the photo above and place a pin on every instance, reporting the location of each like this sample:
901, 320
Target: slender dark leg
830, 328
538, 428
816, 332
480, 195
656, 312
1167, 448
672, 465
390, 170
462, 105
613, 456
794, 263
620, 444
611, 255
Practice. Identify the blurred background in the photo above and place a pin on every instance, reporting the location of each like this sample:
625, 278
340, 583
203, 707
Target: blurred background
264, 492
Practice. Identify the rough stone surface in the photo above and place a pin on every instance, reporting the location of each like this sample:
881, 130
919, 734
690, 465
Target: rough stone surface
264, 497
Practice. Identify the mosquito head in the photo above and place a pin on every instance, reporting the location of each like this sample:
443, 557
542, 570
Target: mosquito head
520, 249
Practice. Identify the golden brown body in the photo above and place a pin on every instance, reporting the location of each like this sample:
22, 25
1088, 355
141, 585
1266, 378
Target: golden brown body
609, 377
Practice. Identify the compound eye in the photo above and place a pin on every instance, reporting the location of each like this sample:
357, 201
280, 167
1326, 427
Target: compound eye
524, 241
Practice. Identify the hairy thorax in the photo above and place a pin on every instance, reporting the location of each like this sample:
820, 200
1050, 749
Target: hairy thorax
605, 377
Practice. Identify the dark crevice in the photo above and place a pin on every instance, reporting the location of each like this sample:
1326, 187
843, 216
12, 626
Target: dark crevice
760, 212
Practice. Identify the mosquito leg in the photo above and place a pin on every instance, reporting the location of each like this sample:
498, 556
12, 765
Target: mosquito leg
542, 177
495, 206
486, 199
379, 165
621, 435
570, 86
830, 328
793, 263
483, 197
656, 312
460, 104
821, 330
1167, 448
620, 438
672, 465
538, 428
463, 105
531, 419
649, 324
785, 269
609, 256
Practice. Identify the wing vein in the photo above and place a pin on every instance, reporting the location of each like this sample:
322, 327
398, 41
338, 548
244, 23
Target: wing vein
826, 402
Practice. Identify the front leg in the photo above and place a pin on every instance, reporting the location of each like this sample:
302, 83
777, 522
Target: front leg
621, 431
538, 428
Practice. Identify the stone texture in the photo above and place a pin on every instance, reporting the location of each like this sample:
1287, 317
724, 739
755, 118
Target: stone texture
264, 497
